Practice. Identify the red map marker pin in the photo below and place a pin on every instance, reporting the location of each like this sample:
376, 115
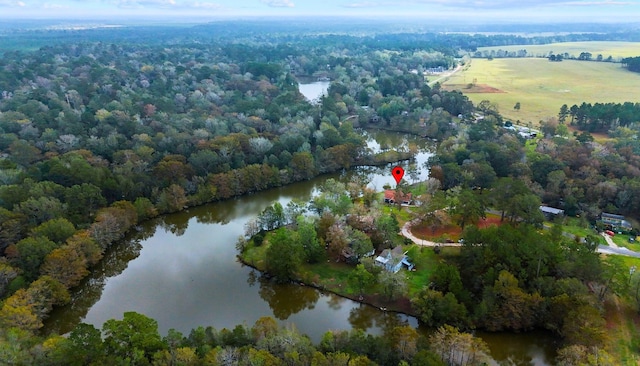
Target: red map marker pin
397, 173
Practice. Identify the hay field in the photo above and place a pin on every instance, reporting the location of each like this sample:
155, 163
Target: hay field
542, 87
616, 50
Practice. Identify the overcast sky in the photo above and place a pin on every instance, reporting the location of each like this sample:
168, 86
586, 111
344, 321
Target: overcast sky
461, 10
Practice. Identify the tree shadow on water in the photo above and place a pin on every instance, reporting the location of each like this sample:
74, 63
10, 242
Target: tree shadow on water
287, 299
365, 317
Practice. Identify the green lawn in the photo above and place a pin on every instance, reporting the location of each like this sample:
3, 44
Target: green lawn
631, 261
330, 275
426, 261
542, 87
616, 50
622, 240
255, 255
334, 276
402, 214
574, 226
530, 147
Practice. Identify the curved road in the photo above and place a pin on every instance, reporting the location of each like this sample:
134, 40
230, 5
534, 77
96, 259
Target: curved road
406, 232
614, 249
611, 249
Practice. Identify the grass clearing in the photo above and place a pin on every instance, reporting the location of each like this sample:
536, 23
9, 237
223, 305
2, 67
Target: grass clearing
616, 50
330, 275
426, 261
255, 256
631, 261
622, 240
542, 87
579, 227
402, 215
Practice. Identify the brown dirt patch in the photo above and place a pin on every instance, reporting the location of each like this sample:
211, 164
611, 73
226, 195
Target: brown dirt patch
597, 136
476, 88
452, 232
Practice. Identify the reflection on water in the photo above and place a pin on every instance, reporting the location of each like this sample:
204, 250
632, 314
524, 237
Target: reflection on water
523, 349
181, 270
114, 262
287, 299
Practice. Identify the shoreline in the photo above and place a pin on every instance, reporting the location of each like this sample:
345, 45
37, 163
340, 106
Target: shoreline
367, 299
370, 161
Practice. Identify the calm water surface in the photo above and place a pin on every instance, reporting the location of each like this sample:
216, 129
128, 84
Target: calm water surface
181, 270
313, 91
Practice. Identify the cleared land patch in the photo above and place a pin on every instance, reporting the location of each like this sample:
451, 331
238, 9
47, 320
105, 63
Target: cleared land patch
542, 87
472, 88
452, 231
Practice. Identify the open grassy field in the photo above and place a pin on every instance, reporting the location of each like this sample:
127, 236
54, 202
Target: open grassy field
616, 50
542, 87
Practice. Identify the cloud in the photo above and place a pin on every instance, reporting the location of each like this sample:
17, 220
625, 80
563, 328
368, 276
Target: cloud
159, 4
487, 4
598, 3
363, 4
128, 4
54, 6
279, 3
201, 5
169, 4
11, 3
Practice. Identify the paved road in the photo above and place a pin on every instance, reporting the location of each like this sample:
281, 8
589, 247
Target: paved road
611, 249
614, 249
444, 75
619, 251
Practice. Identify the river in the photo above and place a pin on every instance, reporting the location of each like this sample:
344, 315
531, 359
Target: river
181, 269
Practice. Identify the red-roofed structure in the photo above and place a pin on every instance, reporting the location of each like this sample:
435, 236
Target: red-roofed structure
390, 197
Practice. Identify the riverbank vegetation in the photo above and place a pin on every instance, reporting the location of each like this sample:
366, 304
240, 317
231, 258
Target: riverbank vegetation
135, 340
517, 276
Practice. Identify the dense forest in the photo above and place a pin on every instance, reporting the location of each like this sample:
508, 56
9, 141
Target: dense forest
99, 134
601, 117
348, 33
97, 137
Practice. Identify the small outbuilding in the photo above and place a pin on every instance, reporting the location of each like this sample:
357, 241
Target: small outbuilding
551, 213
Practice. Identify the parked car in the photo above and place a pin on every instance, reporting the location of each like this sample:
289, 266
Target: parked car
609, 232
